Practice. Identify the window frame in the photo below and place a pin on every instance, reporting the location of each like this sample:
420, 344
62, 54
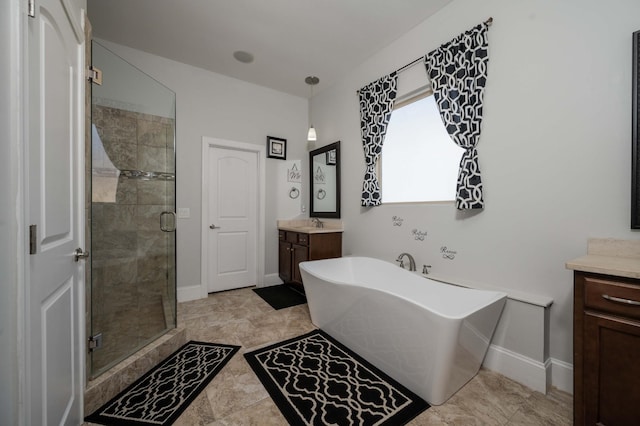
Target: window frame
407, 99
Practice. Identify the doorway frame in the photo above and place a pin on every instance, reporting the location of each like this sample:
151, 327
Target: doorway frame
211, 142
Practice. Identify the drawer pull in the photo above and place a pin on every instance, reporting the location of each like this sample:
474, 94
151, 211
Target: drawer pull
619, 300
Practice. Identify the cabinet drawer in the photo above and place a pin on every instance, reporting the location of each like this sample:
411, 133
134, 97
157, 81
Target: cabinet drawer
291, 237
294, 237
614, 297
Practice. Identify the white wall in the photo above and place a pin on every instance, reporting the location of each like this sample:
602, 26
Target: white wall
554, 151
209, 104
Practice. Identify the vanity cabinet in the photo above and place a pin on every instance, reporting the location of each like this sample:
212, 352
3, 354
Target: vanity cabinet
606, 345
296, 247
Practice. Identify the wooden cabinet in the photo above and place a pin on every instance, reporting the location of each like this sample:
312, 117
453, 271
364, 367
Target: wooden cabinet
606, 345
296, 247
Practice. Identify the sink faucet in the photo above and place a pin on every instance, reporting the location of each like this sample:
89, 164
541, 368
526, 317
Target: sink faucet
318, 222
412, 262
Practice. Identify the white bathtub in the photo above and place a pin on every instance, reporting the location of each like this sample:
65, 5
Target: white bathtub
430, 336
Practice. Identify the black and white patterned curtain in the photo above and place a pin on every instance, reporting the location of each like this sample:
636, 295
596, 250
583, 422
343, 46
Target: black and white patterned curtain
376, 105
458, 73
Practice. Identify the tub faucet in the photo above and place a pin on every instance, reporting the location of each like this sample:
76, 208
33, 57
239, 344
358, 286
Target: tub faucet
318, 222
412, 262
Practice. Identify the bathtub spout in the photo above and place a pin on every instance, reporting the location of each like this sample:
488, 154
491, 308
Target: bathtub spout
412, 262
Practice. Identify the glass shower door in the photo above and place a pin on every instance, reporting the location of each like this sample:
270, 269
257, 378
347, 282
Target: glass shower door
133, 273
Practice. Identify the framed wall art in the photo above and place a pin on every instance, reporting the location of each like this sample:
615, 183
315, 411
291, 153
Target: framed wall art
331, 157
276, 148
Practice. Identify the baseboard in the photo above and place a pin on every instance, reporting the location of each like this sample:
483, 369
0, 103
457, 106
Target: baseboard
193, 292
529, 372
562, 375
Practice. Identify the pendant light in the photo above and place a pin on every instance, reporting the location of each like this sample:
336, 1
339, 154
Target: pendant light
311, 81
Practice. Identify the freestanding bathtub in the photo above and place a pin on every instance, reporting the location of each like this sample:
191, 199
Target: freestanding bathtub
430, 336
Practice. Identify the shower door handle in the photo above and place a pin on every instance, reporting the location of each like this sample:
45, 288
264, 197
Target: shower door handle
171, 226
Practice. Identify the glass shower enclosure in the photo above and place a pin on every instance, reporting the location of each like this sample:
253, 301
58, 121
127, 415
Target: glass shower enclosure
133, 272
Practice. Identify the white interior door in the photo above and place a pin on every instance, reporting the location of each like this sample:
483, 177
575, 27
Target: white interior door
54, 345
233, 218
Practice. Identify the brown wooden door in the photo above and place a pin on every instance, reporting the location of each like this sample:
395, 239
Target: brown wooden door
325, 246
284, 261
611, 370
300, 254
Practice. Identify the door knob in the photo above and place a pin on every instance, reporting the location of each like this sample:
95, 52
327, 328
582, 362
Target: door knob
214, 227
80, 254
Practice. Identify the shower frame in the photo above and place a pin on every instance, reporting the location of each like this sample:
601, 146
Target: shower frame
132, 292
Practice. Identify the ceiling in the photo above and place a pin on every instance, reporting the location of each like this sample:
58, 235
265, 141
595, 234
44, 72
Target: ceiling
289, 39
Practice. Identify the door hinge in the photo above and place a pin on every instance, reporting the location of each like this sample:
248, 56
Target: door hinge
94, 75
95, 342
31, 8
33, 242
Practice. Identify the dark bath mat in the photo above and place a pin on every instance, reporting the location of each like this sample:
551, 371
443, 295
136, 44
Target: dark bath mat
163, 393
315, 380
281, 296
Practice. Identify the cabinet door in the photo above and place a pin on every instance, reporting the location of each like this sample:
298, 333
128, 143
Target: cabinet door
300, 254
611, 370
284, 261
325, 246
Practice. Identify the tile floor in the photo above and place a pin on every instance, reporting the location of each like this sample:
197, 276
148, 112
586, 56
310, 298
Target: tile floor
236, 396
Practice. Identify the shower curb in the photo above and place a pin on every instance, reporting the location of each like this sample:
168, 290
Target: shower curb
100, 390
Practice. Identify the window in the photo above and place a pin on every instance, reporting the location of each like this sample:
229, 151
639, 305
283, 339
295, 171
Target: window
419, 161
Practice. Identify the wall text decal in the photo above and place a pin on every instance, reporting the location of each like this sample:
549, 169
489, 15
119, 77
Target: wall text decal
294, 174
419, 235
319, 176
448, 254
397, 220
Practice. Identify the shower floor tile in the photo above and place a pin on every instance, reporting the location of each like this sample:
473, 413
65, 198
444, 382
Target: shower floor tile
236, 396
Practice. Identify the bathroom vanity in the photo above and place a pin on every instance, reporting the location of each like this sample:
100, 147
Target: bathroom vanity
299, 241
606, 333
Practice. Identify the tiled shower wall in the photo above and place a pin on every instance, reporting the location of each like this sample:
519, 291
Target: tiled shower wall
133, 262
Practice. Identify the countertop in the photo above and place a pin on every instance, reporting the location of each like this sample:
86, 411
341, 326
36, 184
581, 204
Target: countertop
610, 257
306, 226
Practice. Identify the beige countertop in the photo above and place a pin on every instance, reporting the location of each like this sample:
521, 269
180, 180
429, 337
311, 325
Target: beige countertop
611, 257
306, 226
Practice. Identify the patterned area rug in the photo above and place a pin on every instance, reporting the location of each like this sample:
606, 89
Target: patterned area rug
315, 380
161, 395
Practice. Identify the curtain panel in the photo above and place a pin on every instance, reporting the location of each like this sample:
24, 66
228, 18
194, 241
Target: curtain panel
458, 73
376, 105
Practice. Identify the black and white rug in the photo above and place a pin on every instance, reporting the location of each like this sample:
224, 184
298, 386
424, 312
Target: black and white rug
162, 394
315, 380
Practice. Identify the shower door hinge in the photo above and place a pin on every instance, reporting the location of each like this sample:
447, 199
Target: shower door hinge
31, 8
94, 75
95, 342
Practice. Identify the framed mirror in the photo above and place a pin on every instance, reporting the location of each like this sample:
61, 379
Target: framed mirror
324, 165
